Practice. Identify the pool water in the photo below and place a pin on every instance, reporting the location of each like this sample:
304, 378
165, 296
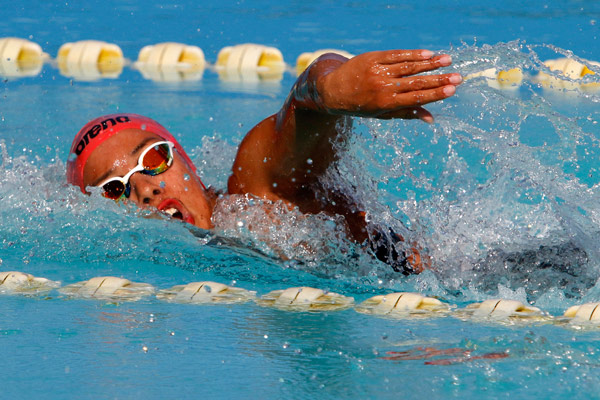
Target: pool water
503, 192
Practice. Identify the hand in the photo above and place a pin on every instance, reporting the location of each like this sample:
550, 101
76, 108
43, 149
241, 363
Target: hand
383, 84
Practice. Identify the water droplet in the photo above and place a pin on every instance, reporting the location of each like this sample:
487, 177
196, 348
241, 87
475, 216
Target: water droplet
72, 157
266, 336
274, 184
143, 127
162, 184
186, 177
240, 223
309, 161
145, 349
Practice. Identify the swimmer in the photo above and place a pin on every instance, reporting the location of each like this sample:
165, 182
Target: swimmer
282, 158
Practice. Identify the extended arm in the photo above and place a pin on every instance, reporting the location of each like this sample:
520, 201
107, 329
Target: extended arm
286, 152
380, 84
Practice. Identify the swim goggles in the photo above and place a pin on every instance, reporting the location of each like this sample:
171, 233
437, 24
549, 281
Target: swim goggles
154, 160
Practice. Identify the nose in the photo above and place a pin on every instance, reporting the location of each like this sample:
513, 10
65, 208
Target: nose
144, 189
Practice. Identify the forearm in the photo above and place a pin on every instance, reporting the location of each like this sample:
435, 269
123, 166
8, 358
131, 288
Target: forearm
307, 92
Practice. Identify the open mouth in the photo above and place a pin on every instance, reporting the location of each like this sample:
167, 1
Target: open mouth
174, 209
174, 213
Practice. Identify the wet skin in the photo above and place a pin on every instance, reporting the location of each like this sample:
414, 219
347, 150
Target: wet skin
283, 157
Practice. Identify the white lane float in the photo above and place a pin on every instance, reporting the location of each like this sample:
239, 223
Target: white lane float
568, 75
171, 62
15, 282
402, 304
89, 60
504, 79
305, 299
305, 59
250, 62
108, 288
585, 313
205, 293
501, 309
20, 57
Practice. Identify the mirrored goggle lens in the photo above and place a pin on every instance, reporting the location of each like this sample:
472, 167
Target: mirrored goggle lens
157, 159
113, 189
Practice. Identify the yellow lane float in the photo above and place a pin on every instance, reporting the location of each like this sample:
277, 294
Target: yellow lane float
250, 63
509, 79
205, 293
90, 60
305, 299
305, 59
14, 282
20, 57
171, 62
572, 70
108, 288
402, 305
501, 309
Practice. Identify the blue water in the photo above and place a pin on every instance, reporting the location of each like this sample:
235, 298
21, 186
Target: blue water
505, 183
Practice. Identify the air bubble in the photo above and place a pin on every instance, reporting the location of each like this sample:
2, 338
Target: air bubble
309, 161
162, 184
186, 177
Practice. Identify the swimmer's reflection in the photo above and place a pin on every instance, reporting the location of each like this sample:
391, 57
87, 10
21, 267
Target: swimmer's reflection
565, 266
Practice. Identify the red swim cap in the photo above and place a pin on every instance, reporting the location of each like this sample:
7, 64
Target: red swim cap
98, 130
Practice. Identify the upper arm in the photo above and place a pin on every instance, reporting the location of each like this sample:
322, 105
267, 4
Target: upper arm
291, 149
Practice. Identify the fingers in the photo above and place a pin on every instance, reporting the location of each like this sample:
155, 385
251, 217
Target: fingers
407, 105
398, 56
394, 101
415, 67
408, 84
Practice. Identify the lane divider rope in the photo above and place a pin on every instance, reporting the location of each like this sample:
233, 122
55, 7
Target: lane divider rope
89, 60
299, 299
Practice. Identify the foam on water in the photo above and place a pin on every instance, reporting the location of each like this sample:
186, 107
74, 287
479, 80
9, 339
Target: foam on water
502, 192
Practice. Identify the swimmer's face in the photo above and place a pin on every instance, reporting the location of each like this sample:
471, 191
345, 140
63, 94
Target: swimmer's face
177, 191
